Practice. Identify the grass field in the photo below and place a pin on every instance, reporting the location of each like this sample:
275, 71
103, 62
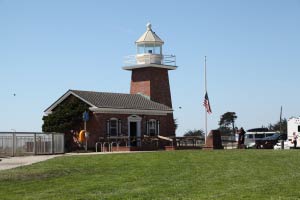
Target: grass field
231, 174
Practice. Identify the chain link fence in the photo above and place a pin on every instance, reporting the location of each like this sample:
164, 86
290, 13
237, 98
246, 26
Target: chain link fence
27, 143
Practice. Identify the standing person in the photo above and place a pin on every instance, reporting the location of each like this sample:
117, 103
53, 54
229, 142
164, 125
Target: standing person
241, 136
295, 138
241, 139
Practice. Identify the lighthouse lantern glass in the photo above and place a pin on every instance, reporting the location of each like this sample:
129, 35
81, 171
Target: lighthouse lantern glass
149, 49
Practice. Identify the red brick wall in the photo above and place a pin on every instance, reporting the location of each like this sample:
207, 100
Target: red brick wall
153, 82
97, 125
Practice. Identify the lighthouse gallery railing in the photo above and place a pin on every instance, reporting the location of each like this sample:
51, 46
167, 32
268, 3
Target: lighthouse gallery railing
150, 59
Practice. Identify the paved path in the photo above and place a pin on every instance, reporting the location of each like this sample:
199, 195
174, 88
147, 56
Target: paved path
13, 162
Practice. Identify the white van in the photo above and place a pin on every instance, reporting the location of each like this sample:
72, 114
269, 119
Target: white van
252, 137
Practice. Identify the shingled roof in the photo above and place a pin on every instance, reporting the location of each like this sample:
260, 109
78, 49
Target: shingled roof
113, 100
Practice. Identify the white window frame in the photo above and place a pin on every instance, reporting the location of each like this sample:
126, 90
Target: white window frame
152, 126
116, 127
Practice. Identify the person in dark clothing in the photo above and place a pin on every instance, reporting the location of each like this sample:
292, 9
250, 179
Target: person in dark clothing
241, 136
295, 138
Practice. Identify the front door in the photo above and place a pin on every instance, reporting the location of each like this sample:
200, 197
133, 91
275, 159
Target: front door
134, 130
133, 133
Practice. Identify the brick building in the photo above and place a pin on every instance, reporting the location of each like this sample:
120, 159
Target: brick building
141, 119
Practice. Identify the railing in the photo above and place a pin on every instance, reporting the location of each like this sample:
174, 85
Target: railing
229, 142
186, 142
116, 143
27, 143
169, 60
229, 138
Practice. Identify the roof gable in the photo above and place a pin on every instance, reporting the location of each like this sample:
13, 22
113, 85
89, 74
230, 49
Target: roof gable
62, 98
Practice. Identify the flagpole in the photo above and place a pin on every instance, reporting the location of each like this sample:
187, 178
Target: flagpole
282, 142
205, 93
280, 120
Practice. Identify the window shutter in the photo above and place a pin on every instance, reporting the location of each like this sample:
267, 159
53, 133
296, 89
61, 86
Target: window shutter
147, 127
120, 127
157, 127
108, 127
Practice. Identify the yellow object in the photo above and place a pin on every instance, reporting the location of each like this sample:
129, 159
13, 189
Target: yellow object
81, 136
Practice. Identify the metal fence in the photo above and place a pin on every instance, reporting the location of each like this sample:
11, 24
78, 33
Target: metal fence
150, 59
229, 142
27, 143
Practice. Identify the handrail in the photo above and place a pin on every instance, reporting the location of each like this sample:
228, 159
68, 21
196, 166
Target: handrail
150, 59
165, 138
97, 146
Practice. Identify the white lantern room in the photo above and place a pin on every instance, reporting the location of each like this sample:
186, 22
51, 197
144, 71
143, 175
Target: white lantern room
149, 52
149, 48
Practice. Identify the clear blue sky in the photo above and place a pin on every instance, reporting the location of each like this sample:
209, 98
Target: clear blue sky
252, 49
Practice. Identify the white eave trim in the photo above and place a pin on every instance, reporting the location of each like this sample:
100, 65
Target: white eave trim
149, 65
130, 111
61, 99
149, 42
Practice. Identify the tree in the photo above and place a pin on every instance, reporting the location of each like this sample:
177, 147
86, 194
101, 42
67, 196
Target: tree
225, 130
66, 117
194, 133
175, 124
277, 126
226, 120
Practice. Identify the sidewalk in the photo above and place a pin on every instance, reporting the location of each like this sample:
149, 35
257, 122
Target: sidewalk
13, 162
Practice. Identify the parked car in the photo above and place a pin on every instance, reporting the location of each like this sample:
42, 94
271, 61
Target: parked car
254, 135
276, 136
270, 141
286, 145
265, 140
258, 130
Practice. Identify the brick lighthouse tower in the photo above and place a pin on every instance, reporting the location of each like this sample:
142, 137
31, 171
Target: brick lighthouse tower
150, 68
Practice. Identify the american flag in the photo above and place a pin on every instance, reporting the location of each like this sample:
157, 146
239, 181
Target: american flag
206, 104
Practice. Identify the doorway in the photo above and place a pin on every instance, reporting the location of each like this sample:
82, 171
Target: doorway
133, 133
134, 130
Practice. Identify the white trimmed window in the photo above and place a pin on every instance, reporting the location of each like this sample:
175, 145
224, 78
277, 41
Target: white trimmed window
113, 127
152, 127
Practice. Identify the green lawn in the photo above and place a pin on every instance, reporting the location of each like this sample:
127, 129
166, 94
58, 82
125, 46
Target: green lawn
230, 174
